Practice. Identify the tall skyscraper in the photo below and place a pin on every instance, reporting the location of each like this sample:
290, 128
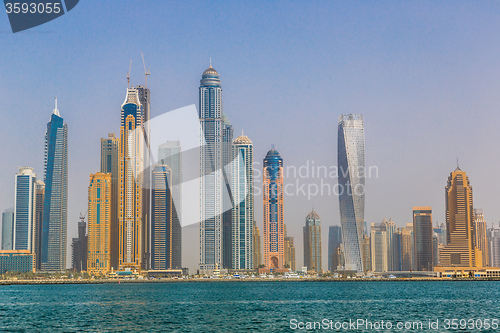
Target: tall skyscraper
257, 248
8, 230
40, 199
243, 211
366, 253
24, 209
273, 210
79, 247
334, 241
312, 242
170, 154
379, 248
423, 238
481, 236
390, 229
162, 251
289, 251
461, 249
494, 245
55, 206
211, 171
227, 215
131, 166
145, 100
99, 218
110, 150
351, 163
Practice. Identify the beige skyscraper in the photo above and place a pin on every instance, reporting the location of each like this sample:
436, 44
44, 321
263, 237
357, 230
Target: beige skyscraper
99, 224
481, 235
289, 252
257, 251
461, 249
379, 248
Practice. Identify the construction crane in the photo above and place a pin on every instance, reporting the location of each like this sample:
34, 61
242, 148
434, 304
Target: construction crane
146, 72
128, 74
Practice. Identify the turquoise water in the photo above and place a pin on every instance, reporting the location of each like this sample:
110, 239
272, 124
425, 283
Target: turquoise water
242, 306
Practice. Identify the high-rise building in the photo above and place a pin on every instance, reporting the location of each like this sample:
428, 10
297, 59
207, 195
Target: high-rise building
99, 219
481, 236
405, 240
396, 254
351, 163
211, 171
24, 209
162, 252
440, 231
227, 215
40, 199
79, 246
312, 242
8, 229
273, 210
257, 249
390, 228
55, 206
289, 252
461, 249
170, 154
435, 250
334, 241
423, 238
130, 182
366, 253
379, 248
494, 245
145, 101
243, 211
110, 150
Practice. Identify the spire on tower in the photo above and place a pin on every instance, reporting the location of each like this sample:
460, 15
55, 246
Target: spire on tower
56, 111
210, 62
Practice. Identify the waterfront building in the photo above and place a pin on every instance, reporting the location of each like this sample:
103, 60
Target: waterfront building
24, 209
227, 204
481, 236
494, 245
379, 248
257, 248
461, 249
40, 199
289, 252
22, 261
273, 210
366, 253
110, 151
170, 153
243, 211
8, 229
390, 228
423, 238
130, 184
334, 241
79, 247
211, 171
99, 219
162, 250
407, 248
55, 206
351, 163
312, 242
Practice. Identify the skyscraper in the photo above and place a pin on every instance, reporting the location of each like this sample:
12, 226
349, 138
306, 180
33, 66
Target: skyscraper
162, 251
481, 237
289, 251
334, 241
8, 230
40, 199
379, 248
130, 182
273, 210
390, 229
366, 253
211, 170
312, 242
55, 206
79, 246
110, 150
227, 215
494, 245
423, 238
24, 209
351, 163
243, 211
99, 218
170, 154
257, 248
461, 249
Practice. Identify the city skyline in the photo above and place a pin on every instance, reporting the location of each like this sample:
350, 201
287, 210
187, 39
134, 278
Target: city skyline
431, 77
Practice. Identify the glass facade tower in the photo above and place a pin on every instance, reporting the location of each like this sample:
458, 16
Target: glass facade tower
24, 209
351, 180
312, 243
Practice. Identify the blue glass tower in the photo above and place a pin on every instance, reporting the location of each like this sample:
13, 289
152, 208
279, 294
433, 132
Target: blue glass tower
55, 214
334, 241
24, 210
351, 164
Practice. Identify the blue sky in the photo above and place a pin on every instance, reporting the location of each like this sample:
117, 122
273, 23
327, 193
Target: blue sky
425, 75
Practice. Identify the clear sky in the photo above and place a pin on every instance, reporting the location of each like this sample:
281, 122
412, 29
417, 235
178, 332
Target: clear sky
425, 75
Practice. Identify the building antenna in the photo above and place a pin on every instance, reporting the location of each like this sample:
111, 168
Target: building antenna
146, 72
458, 166
210, 62
128, 74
